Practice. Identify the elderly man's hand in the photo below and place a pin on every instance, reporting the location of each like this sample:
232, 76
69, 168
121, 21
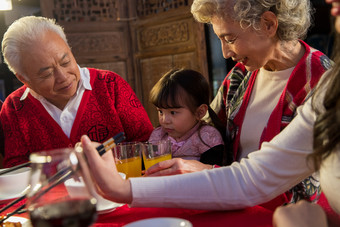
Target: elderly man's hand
301, 214
175, 166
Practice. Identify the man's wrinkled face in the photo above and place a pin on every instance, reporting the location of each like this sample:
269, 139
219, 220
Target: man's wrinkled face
50, 69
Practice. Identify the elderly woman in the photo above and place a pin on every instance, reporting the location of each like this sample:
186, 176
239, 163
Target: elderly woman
274, 73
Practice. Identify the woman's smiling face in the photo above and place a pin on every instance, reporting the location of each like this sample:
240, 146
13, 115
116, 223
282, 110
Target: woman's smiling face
250, 47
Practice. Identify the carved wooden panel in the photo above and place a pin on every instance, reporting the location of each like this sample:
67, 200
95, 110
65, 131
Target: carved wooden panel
185, 60
152, 69
167, 39
153, 7
98, 46
71, 11
117, 67
84, 10
173, 36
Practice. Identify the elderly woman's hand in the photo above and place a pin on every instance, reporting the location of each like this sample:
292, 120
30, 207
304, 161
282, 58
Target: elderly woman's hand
301, 214
176, 166
109, 183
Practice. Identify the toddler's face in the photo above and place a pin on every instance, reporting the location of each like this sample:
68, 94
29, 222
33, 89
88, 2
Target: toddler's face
177, 121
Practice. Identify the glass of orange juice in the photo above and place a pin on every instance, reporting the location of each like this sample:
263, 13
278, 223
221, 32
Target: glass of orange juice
128, 158
156, 152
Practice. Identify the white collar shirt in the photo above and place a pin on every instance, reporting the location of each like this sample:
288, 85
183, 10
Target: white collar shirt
65, 118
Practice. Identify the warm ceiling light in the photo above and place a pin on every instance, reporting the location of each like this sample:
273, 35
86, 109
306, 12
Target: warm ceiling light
5, 4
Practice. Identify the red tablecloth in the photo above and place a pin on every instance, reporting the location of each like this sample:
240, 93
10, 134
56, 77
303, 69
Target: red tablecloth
254, 216
333, 218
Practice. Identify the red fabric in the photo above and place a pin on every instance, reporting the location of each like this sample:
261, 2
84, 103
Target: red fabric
2, 150
304, 77
333, 218
111, 107
242, 112
255, 216
276, 202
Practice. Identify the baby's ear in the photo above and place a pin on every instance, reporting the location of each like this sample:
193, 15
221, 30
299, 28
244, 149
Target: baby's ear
201, 111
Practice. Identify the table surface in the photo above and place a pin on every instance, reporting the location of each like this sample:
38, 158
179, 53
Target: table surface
254, 216
120, 216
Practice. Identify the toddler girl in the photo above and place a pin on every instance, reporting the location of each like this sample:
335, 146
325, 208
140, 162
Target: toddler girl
182, 100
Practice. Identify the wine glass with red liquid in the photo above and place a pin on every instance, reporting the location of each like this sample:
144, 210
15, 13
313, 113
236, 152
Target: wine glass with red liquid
49, 201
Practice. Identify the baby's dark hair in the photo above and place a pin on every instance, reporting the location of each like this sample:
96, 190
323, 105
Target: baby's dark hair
180, 85
190, 87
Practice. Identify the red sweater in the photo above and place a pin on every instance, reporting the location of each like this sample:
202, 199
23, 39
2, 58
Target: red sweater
111, 107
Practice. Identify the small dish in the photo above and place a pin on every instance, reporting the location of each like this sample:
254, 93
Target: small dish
164, 222
8, 198
103, 209
13, 184
24, 221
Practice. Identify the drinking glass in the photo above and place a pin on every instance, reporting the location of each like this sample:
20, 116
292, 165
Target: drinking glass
48, 200
128, 158
156, 152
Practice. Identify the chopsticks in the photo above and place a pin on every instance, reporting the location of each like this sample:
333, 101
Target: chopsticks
110, 143
11, 169
62, 174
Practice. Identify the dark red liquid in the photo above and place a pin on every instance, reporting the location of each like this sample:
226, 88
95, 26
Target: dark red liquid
71, 213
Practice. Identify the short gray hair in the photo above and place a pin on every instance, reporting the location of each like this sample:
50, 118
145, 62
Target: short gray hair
23, 32
294, 16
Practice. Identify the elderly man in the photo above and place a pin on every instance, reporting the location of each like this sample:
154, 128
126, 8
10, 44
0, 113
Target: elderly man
60, 101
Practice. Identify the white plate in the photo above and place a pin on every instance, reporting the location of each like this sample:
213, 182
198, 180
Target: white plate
24, 221
106, 208
14, 183
164, 222
8, 197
